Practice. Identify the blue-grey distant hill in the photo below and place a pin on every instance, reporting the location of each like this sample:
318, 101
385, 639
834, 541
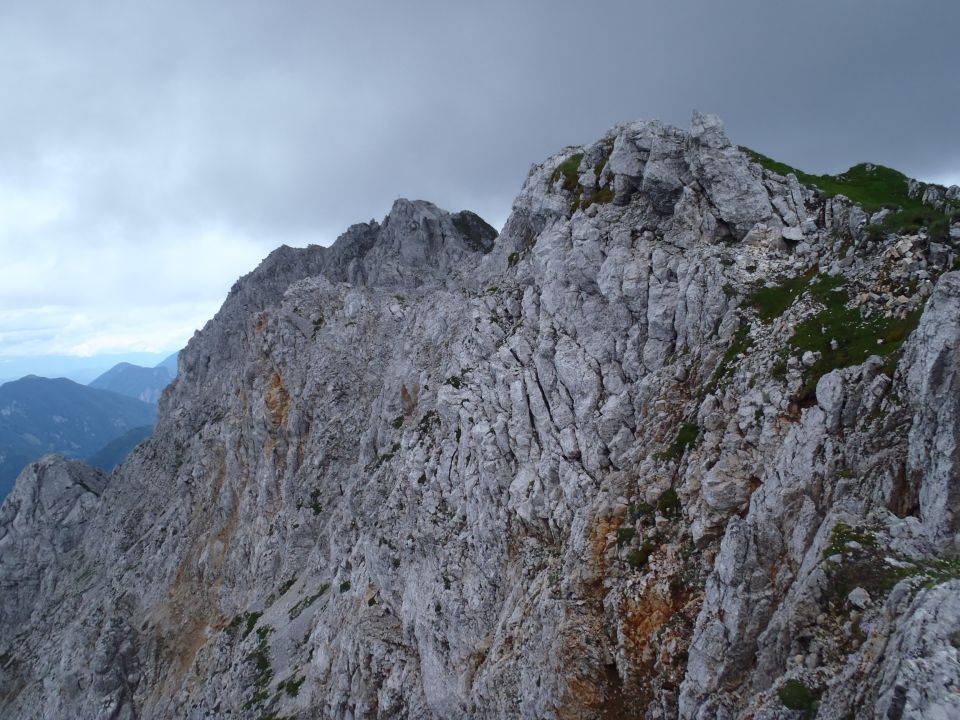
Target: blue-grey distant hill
143, 383
72, 367
170, 363
40, 416
116, 451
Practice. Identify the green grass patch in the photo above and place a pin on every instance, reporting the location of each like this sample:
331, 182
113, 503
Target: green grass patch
867, 570
776, 166
475, 230
796, 696
739, 345
843, 534
247, 621
857, 338
910, 221
284, 587
315, 505
941, 571
397, 422
872, 187
939, 228
772, 302
867, 566
291, 686
638, 557
384, 457
625, 535
640, 510
428, 423
686, 437
602, 164
600, 197
779, 369
298, 609
669, 504
263, 672
569, 170
875, 233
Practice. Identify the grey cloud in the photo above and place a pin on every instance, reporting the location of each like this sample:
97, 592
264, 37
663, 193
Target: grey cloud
153, 122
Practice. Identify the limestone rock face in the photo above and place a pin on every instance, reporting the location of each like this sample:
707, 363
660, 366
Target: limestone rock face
731, 183
934, 390
41, 524
579, 469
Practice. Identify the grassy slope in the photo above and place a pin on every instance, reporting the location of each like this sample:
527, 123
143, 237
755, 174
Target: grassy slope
872, 187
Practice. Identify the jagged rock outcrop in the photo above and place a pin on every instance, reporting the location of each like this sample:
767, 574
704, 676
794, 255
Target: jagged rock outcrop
41, 524
590, 468
933, 462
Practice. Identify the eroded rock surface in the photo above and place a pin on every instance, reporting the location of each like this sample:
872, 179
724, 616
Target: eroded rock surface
582, 469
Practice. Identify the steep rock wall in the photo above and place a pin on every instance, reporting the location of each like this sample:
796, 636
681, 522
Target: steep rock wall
579, 472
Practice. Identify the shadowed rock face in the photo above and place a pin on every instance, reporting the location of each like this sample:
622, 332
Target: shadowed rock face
582, 471
41, 525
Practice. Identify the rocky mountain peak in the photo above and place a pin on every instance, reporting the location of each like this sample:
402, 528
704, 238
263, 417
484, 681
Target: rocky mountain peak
678, 442
416, 243
659, 165
42, 522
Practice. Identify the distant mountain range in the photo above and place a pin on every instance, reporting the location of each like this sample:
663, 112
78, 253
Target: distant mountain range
79, 369
114, 452
143, 383
40, 416
100, 422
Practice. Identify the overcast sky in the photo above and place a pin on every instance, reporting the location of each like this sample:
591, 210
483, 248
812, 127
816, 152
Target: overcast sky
152, 152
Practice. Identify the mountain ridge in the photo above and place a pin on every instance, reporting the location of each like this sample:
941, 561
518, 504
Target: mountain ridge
144, 384
116, 451
622, 463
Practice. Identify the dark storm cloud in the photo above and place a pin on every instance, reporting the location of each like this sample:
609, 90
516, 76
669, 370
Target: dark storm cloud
172, 144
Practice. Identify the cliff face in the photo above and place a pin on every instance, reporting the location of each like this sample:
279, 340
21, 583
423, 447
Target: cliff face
592, 469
